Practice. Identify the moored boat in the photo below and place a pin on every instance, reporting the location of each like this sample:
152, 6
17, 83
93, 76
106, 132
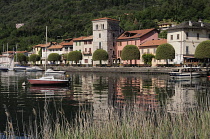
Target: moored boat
49, 80
185, 72
33, 69
51, 71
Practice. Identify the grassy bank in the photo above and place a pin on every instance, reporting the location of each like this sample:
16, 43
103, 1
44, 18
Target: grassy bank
130, 124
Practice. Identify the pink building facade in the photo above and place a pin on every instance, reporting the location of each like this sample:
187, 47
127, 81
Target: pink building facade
135, 37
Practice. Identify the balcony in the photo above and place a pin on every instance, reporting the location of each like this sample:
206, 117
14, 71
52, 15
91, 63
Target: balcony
114, 56
87, 53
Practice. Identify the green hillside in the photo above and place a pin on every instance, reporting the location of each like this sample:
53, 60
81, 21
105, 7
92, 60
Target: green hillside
72, 18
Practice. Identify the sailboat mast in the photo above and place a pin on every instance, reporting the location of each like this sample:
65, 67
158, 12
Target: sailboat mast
46, 51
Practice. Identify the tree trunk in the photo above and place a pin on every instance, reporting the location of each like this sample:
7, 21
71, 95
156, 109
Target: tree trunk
166, 62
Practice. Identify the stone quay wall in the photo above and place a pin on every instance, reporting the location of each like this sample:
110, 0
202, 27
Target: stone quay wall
146, 70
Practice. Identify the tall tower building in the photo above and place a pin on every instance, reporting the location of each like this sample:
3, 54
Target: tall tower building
105, 33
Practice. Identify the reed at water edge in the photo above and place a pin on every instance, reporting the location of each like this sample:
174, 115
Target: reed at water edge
128, 124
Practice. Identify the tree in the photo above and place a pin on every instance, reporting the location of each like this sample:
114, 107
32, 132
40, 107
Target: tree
165, 51
203, 50
100, 55
130, 52
148, 58
34, 58
65, 57
75, 56
54, 57
21, 58
40, 54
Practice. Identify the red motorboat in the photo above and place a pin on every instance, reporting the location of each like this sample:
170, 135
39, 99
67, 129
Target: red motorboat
49, 80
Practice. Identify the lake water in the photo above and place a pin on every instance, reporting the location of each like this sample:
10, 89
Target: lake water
95, 93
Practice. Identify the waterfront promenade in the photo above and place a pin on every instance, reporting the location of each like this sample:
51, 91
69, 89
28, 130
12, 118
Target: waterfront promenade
146, 70
142, 70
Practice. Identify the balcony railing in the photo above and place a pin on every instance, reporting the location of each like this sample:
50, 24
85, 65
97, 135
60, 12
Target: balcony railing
114, 56
87, 53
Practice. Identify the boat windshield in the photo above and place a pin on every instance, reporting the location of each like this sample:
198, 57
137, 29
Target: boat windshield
175, 70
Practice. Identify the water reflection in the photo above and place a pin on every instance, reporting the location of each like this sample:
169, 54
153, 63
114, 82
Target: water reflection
95, 93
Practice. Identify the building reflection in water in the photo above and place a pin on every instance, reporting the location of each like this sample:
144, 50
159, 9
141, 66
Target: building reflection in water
184, 97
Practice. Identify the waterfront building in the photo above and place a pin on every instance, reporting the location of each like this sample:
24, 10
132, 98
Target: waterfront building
135, 37
87, 51
185, 37
105, 34
150, 47
7, 58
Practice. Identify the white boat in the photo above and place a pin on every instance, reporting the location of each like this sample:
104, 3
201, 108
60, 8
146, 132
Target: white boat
33, 69
19, 68
185, 72
3, 68
49, 80
51, 71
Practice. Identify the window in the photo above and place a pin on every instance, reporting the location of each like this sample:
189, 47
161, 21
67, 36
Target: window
186, 35
119, 43
171, 37
187, 49
102, 26
86, 60
154, 50
90, 50
99, 45
197, 36
99, 35
85, 49
142, 51
147, 51
96, 27
177, 37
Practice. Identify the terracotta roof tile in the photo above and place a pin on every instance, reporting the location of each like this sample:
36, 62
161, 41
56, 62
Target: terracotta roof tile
11, 52
67, 43
153, 43
46, 45
88, 38
56, 47
134, 34
105, 18
80, 38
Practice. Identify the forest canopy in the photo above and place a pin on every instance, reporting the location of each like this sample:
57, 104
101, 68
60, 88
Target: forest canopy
72, 18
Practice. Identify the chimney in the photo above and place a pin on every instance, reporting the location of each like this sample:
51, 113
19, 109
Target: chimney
190, 23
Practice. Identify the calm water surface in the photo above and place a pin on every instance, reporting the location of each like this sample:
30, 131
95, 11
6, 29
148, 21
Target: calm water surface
96, 92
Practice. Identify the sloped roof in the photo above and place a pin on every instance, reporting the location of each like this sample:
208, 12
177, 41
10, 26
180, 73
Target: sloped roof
191, 25
67, 43
55, 47
105, 18
12, 52
80, 38
88, 38
153, 43
134, 34
42, 45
